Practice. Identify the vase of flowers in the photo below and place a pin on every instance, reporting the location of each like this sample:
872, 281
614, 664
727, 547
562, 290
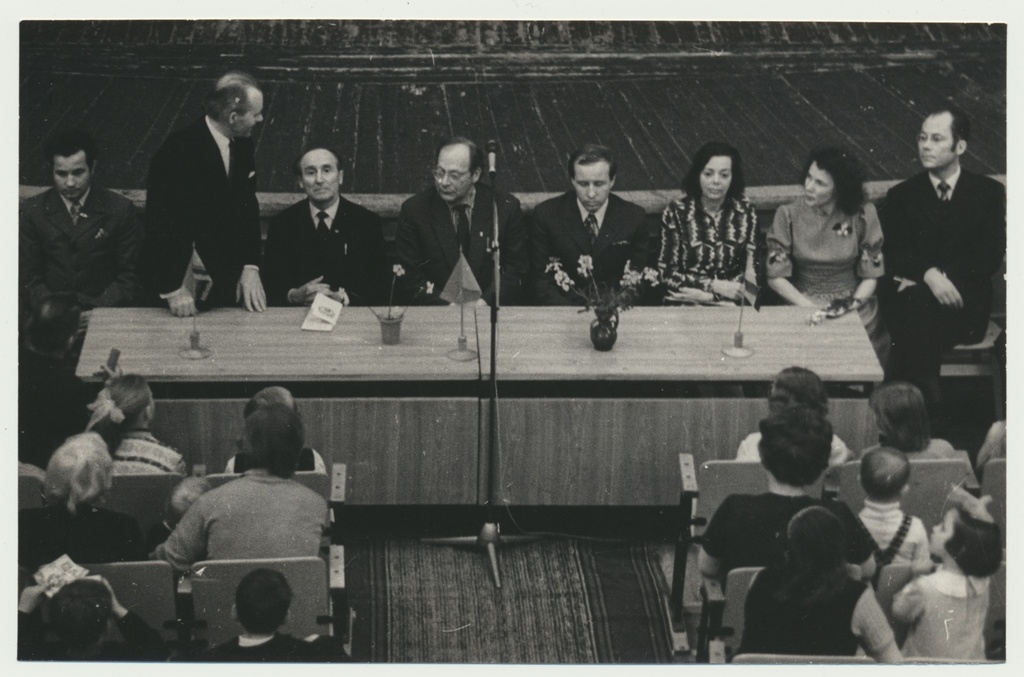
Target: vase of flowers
391, 320
605, 300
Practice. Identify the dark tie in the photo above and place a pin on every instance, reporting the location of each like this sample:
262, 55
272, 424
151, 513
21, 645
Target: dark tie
591, 224
944, 191
75, 211
321, 223
462, 227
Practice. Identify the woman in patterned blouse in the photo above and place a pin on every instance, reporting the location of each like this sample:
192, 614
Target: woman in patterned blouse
827, 246
706, 234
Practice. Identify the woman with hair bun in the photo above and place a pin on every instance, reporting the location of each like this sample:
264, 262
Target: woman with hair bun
825, 249
121, 414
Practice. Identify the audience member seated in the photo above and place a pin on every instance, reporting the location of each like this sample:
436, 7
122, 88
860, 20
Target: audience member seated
902, 419
750, 530
72, 523
994, 446
261, 607
946, 610
51, 399
121, 414
901, 538
826, 247
79, 614
309, 459
264, 513
808, 604
707, 235
795, 386
181, 499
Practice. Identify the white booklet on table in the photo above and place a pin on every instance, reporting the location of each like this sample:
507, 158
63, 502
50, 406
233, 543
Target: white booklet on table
323, 314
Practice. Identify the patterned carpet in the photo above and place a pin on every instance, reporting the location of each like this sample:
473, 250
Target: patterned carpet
561, 602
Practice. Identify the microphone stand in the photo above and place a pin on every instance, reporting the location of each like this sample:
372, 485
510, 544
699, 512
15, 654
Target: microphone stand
490, 536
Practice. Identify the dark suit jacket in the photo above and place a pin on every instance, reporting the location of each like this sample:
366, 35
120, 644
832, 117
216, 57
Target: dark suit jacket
966, 238
95, 259
351, 256
191, 201
557, 231
428, 249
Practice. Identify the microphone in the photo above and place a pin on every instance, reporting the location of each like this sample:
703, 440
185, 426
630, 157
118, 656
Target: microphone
492, 155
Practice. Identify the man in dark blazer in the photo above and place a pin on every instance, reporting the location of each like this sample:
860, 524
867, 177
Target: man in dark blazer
588, 220
454, 214
201, 192
325, 243
78, 237
945, 236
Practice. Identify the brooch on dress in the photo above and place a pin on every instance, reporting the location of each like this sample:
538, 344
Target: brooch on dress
843, 229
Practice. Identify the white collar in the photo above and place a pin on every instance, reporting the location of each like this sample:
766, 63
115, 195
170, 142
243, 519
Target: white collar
599, 214
955, 584
951, 181
223, 143
81, 200
244, 641
330, 211
882, 507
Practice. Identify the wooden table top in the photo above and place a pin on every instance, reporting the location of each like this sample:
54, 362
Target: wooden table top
270, 346
535, 344
679, 344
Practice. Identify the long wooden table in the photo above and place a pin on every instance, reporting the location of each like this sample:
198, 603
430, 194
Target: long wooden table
576, 426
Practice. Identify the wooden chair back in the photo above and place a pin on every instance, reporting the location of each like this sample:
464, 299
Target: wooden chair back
145, 588
143, 496
993, 483
30, 492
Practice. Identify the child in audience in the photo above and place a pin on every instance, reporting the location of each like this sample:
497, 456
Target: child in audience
901, 538
309, 459
902, 420
121, 414
751, 530
795, 386
181, 498
79, 614
809, 605
261, 607
946, 610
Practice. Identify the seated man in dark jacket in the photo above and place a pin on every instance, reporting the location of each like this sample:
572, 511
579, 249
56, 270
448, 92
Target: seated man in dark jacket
262, 600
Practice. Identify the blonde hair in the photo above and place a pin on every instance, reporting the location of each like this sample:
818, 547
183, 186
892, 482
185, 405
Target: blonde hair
79, 472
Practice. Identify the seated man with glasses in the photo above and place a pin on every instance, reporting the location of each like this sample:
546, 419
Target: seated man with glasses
456, 215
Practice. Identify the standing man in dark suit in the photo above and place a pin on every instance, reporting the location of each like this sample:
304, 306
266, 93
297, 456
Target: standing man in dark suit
325, 243
78, 237
588, 220
201, 193
456, 214
945, 236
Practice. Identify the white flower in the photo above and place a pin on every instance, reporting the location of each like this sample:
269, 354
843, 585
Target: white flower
554, 265
398, 270
430, 287
652, 275
630, 277
563, 280
586, 266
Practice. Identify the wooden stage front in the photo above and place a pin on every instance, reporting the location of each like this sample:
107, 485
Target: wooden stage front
577, 427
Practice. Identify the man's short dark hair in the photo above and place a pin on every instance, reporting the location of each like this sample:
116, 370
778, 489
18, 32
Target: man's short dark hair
795, 445
79, 612
275, 437
297, 164
975, 545
262, 599
476, 154
588, 154
68, 142
52, 323
961, 125
231, 98
883, 473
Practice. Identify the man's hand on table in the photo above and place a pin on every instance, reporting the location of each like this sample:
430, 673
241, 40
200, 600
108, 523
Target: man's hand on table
250, 291
181, 303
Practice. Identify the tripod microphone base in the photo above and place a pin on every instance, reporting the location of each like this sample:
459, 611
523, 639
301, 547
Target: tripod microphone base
489, 538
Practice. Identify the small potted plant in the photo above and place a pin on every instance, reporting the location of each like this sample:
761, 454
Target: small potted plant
391, 320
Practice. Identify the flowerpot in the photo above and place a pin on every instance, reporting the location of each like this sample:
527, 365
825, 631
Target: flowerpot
391, 331
604, 330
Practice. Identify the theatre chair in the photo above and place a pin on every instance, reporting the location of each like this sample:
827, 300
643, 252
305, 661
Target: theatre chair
319, 606
794, 659
148, 590
143, 496
894, 577
713, 482
721, 616
931, 480
979, 359
993, 483
30, 492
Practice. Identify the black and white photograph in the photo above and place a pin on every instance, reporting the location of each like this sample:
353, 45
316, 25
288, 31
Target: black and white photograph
546, 338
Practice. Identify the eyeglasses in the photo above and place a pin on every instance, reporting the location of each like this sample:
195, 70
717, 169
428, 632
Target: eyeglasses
453, 176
